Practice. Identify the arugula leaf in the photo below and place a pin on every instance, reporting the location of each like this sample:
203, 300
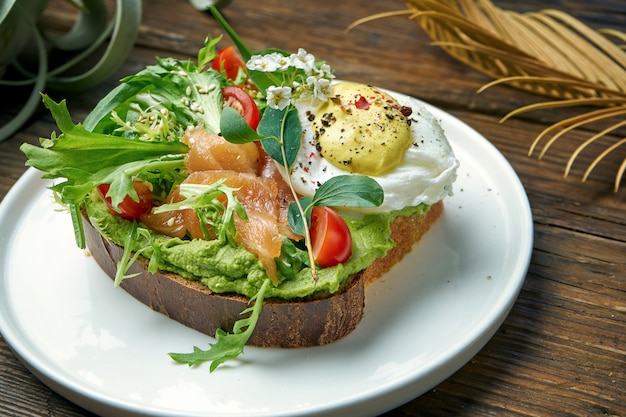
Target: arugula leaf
228, 345
291, 259
127, 257
131, 253
121, 178
87, 159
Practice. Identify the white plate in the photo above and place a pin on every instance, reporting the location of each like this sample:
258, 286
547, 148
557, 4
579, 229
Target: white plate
107, 352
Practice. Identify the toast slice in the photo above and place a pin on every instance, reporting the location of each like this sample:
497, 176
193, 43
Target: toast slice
313, 321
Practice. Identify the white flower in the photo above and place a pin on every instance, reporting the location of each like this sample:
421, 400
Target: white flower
282, 62
301, 90
326, 72
278, 97
303, 60
321, 87
263, 63
300, 79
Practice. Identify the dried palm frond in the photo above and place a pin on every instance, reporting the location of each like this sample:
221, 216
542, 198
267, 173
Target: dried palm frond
549, 53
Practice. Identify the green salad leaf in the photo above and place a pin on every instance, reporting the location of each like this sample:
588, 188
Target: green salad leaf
84, 160
228, 345
191, 95
355, 191
78, 154
205, 201
282, 131
234, 127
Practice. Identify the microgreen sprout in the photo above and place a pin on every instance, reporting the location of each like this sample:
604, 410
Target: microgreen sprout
154, 124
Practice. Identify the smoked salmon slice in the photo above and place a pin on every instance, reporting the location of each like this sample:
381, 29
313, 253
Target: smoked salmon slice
260, 235
261, 190
210, 152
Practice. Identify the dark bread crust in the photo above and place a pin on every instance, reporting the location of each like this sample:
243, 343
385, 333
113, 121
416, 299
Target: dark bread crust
283, 323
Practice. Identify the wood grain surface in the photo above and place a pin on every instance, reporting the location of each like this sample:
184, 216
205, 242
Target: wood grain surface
562, 349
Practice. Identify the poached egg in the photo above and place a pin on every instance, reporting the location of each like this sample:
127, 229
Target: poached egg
391, 137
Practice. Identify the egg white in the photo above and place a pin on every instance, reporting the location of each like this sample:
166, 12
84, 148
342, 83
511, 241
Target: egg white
425, 175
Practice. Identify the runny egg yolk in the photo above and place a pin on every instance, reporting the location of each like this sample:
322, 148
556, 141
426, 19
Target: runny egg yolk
362, 130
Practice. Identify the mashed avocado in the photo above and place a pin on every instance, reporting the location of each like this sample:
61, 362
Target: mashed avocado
226, 269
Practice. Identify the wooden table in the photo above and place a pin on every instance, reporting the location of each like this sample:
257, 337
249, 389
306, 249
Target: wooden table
562, 349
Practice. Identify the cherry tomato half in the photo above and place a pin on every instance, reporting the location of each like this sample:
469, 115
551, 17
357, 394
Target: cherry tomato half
238, 99
128, 208
330, 237
228, 60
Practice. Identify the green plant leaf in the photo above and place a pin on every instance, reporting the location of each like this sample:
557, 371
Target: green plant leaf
294, 216
281, 129
357, 191
208, 53
260, 79
211, 211
235, 129
174, 85
291, 259
78, 153
228, 345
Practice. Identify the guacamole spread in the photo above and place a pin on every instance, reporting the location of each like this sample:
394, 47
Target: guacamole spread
227, 269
